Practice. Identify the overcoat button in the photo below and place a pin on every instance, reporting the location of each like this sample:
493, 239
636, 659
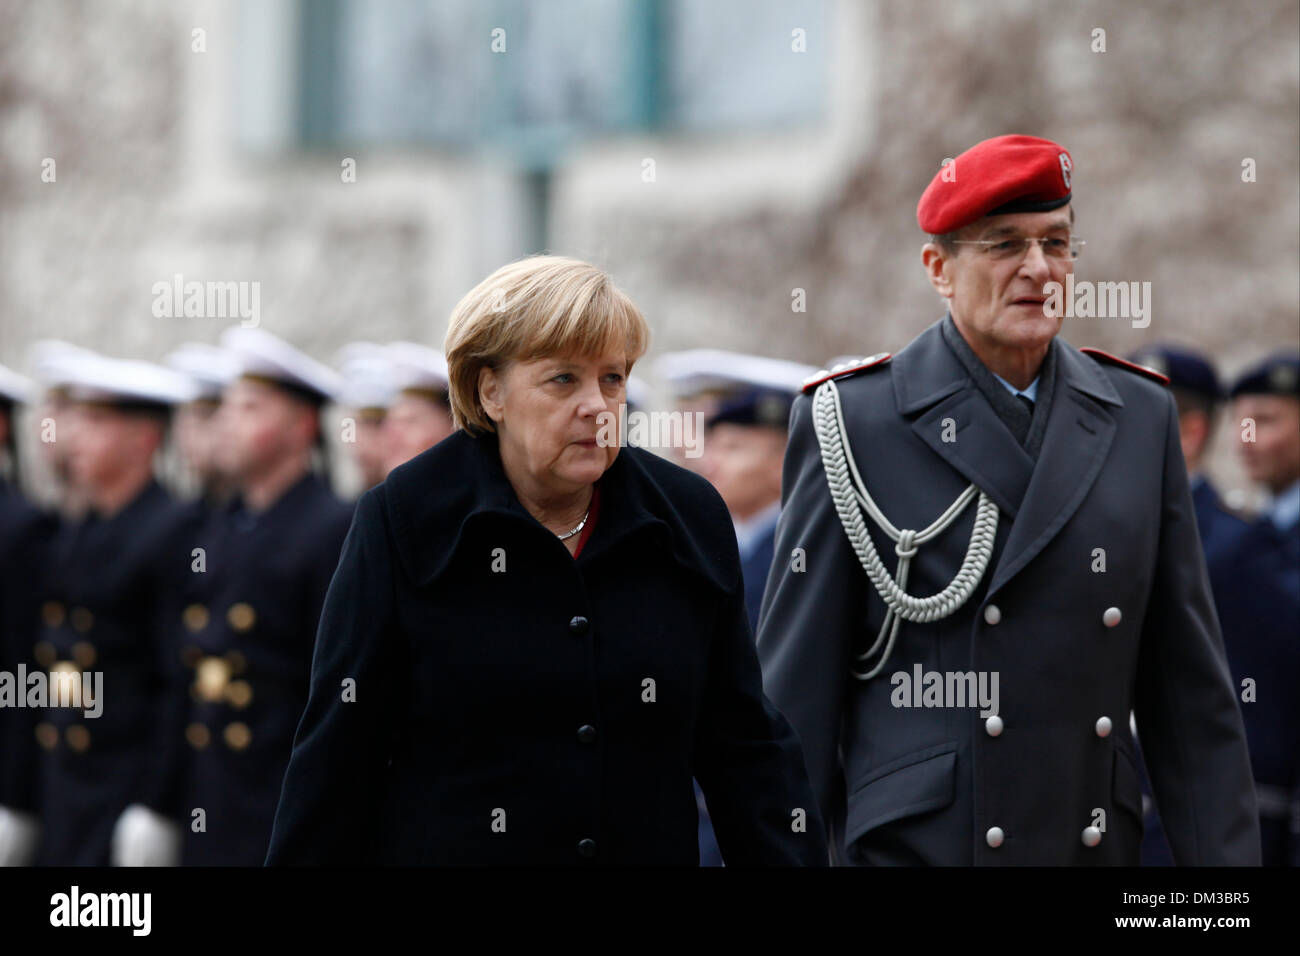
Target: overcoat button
992, 614
47, 735
993, 726
1111, 617
78, 738
1091, 836
195, 617
237, 735
587, 848
1103, 726
241, 617
586, 734
52, 614
82, 620
578, 625
994, 837
83, 652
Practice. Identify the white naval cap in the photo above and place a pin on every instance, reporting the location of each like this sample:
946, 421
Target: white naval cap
418, 367
16, 389
367, 370
88, 377
49, 360
259, 354
210, 367
700, 370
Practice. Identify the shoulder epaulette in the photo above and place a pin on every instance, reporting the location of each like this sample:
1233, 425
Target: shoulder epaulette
1102, 356
844, 370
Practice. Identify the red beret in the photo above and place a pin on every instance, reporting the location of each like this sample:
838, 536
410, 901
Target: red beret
1000, 175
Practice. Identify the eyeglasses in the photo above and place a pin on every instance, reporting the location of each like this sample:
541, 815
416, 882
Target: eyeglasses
1017, 247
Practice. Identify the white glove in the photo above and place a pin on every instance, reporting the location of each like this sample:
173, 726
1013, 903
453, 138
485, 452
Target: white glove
144, 838
19, 833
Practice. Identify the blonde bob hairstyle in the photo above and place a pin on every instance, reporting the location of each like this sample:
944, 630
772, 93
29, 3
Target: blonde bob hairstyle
537, 307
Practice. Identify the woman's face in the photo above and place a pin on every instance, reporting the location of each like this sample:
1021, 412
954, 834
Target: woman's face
548, 413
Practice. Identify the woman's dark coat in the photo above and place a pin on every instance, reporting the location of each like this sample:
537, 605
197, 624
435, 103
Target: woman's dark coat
478, 696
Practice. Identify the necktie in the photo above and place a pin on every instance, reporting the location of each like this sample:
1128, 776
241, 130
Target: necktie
1028, 403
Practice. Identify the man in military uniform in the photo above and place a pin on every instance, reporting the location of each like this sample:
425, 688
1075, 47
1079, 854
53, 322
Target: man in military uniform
104, 636
1259, 603
368, 394
1022, 513
194, 424
24, 536
1198, 396
420, 415
249, 629
743, 454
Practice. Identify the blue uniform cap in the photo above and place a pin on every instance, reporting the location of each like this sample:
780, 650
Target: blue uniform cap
1185, 369
757, 406
1279, 374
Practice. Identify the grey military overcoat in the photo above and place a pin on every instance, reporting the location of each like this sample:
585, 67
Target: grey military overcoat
944, 784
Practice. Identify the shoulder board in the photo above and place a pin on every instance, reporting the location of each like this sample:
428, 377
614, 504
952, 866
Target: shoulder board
1109, 359
844, 370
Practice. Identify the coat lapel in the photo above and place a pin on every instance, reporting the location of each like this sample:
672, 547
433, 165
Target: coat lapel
1080, 429
926, 373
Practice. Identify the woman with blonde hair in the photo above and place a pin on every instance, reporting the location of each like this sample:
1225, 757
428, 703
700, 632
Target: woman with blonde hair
535, 638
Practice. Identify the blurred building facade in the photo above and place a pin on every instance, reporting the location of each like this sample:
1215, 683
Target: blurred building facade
727, 161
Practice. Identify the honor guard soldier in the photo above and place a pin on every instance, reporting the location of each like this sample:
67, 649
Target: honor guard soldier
743, 450
24, 536
420, 415
1198, 396
269, 555
368, 393
1260, 604
194, 423
104, 637
743, 453
1020, 511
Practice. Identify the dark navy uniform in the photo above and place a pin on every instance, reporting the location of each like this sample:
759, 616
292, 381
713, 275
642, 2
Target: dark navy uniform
25, 534
109, 607
1196, 388
1259, 604
246, 644
1260, 611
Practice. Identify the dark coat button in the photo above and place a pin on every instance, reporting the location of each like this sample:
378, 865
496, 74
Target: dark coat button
578, 625
587, 848
586, 734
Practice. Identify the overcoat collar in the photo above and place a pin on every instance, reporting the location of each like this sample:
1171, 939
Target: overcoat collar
1040, 496
433, 499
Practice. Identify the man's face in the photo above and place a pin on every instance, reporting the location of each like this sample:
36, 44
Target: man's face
195, 428
102, 444
1273, 458
412, 425
1193, 434
259, 425
371, 450
744, 463
999, 301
